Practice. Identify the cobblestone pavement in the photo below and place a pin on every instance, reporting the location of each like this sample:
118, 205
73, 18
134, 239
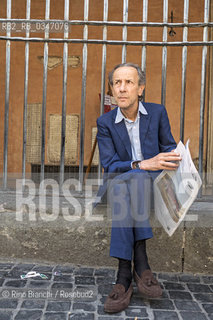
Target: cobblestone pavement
78, 293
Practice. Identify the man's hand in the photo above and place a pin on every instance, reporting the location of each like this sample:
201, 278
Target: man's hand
163, 161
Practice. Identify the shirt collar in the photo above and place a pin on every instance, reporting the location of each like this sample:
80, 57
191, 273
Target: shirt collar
120, 116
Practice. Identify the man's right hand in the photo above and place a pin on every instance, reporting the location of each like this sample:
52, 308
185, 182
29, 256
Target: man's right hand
163, 161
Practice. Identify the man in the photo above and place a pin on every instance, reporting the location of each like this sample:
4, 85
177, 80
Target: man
135, 143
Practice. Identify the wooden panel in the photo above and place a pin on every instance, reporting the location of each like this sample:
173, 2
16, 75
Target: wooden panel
33, 146
95, 160
54, 139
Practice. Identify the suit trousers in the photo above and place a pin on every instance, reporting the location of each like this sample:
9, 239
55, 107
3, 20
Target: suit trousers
129, 196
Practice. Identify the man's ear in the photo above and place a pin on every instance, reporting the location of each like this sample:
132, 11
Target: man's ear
109, 92
112, 90
141, 89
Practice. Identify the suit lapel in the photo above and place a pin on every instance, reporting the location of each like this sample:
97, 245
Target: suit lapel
144, 125
123, 134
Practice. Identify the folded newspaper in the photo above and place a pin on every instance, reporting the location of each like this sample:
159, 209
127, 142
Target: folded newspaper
175, 191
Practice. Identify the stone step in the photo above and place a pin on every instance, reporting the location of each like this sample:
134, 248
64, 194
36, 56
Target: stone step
59, 236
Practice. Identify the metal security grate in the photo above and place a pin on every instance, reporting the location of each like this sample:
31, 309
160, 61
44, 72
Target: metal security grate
47, 24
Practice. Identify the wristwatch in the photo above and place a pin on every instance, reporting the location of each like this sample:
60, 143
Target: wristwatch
136, 165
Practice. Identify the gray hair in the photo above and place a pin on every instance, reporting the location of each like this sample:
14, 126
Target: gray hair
141, 74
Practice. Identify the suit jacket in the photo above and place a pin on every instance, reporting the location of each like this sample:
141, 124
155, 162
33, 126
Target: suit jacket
114, 143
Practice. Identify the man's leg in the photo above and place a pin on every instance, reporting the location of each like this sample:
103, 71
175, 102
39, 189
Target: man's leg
122, 237
141, 184
141, 207
122, 241
128, 197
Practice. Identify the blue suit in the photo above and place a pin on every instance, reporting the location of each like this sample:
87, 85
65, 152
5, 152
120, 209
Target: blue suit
128, 184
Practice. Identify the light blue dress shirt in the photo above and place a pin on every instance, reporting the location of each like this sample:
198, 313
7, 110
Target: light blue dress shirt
133, 131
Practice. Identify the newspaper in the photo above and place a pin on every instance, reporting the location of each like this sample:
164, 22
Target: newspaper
176, 190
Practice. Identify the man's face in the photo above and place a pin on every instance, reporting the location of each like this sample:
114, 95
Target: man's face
125, 87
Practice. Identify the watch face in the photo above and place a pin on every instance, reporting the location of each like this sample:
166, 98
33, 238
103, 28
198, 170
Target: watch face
137, 165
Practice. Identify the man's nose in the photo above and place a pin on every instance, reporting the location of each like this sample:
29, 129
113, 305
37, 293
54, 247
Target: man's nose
123, 86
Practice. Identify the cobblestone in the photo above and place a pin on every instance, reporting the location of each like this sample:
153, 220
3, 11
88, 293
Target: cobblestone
208, 308
165, 315
38, 284
82, 316
84, 271
83, 306
198, 287
33, 304
168, 277
58, 306
42, 269
29, 315
63, 277
8, 304
189, 278
205, 297
193, 316
173, 286
15, 283
207, 279
5, 266
187, 305
55, 316
182, 295
62, 285
162, 304
136, 312
6, 315
104, 272
185, 297
84, 280
64, 269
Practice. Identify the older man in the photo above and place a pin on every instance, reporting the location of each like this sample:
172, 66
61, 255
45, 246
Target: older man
135, 143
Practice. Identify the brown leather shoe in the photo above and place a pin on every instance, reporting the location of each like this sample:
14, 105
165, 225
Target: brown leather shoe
147, 284
118, 299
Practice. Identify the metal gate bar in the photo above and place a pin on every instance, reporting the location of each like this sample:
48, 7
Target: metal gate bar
26, 72
112, 23
103, 69
164, 53
124, 36
144, 38
44, 99
104, 54
115, 42
64, 95
203, 88
83, 92
7, 96
144, 35
184, 61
